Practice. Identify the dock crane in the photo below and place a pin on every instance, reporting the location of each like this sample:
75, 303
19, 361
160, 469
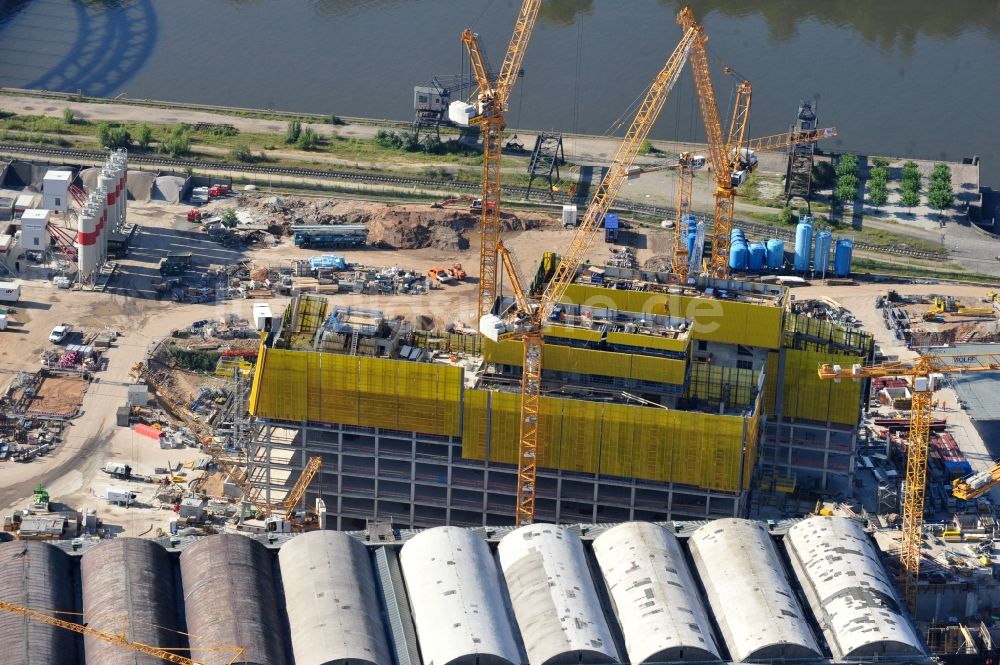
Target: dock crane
526, 320
923, 371
116, 638
488, 112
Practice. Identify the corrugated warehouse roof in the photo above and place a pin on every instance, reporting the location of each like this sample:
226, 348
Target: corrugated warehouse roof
856, 605
538, 595
749, 592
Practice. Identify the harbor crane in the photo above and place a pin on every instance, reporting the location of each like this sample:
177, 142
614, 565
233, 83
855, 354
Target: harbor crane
528, 316
118, 638
923, 371
488, 112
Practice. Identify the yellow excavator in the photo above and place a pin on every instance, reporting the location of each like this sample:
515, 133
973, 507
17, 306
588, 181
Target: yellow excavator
948, 305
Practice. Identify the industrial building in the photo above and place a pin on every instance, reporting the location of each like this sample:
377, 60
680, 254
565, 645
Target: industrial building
661, 401
496, 596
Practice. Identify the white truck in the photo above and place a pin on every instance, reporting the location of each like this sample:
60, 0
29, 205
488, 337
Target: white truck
10, 292
118, 470
120, 495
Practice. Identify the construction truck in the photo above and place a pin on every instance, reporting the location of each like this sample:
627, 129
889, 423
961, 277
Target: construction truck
440, 275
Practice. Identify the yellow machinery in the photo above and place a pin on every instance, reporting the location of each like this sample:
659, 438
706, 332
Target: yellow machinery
491, 104
235, 469
948, 305
116, 638
921, 371
528, 317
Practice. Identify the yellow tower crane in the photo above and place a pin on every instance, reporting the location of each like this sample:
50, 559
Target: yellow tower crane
528, 316
488, 112
117, 638
921, 370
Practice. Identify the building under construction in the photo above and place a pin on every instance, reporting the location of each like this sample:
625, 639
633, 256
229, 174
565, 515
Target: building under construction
660, 401
730, 590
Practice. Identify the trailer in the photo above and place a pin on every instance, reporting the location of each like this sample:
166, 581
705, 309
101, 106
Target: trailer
10, 292
175, 263
120, 495
330, 235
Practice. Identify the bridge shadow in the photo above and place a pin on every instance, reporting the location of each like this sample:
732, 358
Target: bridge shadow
112, 41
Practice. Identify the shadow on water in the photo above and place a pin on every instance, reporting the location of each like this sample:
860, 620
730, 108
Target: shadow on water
113, 40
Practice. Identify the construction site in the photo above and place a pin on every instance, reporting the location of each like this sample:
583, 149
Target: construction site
279, 428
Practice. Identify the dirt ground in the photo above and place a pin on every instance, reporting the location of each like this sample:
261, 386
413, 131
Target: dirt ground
59, 395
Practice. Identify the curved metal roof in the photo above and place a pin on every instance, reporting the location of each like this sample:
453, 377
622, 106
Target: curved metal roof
850, 592
655, 597
754, 605
456, 597
331, 600
553, 596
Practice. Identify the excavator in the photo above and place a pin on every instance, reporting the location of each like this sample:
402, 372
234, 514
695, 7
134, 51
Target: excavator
948, 305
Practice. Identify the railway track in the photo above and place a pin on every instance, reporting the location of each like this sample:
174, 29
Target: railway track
659, 212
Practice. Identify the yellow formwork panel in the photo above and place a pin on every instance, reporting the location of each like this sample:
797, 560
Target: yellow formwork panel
353, 390
752, 441
570, 332
475, 423
649, 341
507, 352
708, 381
806, 396
704, 450
651, 368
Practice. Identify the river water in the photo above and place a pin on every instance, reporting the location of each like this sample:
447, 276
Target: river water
901, 77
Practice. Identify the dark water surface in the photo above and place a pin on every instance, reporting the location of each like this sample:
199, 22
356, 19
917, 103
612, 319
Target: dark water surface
903, 77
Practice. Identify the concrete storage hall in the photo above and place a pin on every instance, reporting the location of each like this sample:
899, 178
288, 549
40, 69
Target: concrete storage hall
135, 578
655, 597
332, 600
553, 596
749, 593
231, 599
36, 575
850, 592
457, 600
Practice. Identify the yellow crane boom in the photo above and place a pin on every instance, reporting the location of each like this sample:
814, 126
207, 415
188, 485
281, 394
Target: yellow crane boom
301, 485
491, 105
114, 638
920, 371
526, 321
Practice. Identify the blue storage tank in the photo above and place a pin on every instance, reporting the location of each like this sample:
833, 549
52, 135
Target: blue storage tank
758, 256
803, 244
842, 257
775, 254
739, 251
821, 257
690, 226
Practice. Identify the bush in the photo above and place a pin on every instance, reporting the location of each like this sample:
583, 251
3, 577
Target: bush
880, 162
194, 359
307, 140
229, 218
144, 136
68, 116
432, 145
241, 153
786, 216
647, 148
293, 131
334, 120
177, 143
113, 136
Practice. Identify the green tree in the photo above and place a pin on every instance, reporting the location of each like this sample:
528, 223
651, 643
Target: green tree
786, 216
880, 162
910, 198
911, 176
822, 175
879, 174
68, 116
647, 148
113, 136
941, 173
144, 136
877, 195
940, 197
308, 139
177, 143
228, 218
293, 131
241, 153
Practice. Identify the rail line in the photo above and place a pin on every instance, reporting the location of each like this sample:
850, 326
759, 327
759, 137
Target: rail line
661, 212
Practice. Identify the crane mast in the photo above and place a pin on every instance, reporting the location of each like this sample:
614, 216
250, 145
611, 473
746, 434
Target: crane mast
492, 104
527, 321
919, 438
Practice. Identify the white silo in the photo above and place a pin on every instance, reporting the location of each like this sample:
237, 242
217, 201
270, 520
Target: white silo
86, 238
